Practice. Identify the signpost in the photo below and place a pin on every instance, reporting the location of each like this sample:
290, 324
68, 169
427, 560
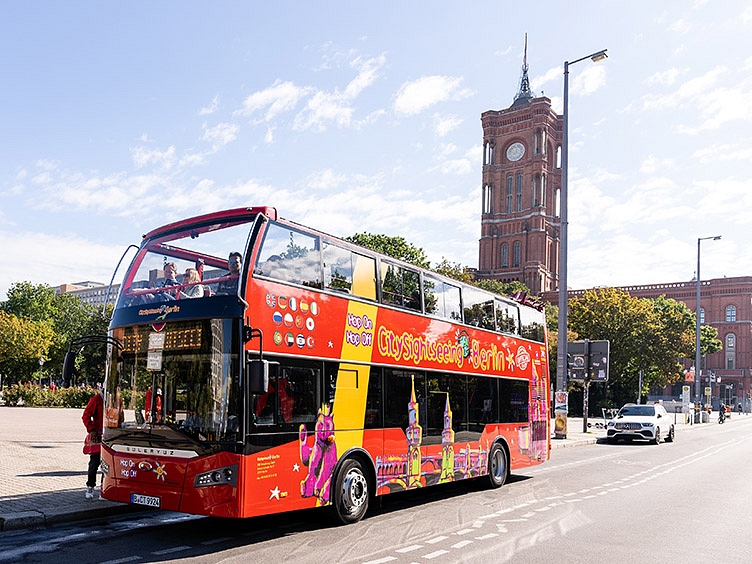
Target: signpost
589, 363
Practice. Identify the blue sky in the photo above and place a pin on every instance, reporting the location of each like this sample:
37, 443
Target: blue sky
116, 117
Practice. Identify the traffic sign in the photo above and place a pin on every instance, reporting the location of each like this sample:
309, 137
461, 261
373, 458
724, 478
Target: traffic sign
589, 359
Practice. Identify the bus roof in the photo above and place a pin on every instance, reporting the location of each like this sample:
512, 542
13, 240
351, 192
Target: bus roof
202, 223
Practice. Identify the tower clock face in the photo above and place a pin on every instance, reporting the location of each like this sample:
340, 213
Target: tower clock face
515, 151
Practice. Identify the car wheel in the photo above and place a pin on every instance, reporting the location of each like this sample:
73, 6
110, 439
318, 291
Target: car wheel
497, 466
670, 437
657, 439
351, 493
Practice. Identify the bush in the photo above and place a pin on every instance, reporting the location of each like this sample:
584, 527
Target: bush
29, 395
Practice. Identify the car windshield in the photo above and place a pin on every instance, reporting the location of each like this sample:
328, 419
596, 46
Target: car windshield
643, 410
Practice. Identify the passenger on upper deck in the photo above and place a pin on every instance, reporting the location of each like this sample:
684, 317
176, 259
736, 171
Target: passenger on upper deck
196, 290
170, 274
231, 286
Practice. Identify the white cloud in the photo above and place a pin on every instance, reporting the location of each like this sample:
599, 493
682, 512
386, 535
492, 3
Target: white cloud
220, 135
589, 80
142, 157
211, 108
414, 97
727, 152
667, 77
279, 97
652, 164
445, 124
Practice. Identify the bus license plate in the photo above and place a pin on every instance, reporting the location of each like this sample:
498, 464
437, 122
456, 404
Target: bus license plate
148, 500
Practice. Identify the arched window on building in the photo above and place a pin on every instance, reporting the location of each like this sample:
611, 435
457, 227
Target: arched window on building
504, 255
730, 313
516, 262
730, 351
487, 199
518, 206
510, 187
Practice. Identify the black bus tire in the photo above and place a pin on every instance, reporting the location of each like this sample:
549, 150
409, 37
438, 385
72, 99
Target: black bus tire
351, 493
497, 466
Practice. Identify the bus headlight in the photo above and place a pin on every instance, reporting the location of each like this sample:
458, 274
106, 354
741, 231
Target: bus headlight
226, 476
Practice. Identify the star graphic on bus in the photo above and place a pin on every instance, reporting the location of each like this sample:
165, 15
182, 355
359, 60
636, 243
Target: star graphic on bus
274, 493
296, 467
160, 472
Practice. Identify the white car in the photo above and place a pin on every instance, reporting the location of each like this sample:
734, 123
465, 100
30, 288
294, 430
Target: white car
649, 422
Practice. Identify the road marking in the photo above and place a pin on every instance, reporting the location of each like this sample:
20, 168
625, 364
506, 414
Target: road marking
437, 539
409, 548
487, 536
381, 560
462, 544
170, 550
435, 554
463, 532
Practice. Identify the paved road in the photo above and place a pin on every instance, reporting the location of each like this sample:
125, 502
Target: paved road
43, 470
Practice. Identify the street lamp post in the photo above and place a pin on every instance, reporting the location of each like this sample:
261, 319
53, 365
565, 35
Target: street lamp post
561, 357
697, 318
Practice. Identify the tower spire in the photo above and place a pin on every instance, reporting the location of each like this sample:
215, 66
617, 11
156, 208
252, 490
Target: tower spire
524, 95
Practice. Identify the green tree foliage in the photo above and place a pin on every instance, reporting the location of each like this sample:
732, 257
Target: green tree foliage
709, 342
22, 343
652, 335
51, 321
503, 288
396, 247
454, 270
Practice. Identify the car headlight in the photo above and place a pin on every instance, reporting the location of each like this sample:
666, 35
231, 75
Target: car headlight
648, 424
611, 424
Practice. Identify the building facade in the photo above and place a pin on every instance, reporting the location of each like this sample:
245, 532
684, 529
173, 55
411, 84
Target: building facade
521, 181
520, 239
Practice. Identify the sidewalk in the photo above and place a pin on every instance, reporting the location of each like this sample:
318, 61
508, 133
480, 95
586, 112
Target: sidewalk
43, 471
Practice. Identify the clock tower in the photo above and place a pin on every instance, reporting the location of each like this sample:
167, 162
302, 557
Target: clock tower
521, 180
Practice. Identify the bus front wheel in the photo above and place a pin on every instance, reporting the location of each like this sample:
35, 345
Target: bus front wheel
350, 493
497, 466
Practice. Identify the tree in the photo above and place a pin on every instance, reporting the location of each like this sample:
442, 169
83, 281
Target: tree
709, 342
454, 270
651, 335
22, 343
503, 288
396, 247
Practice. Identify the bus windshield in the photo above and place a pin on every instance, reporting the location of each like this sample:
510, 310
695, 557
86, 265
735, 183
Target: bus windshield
184, 376
200, 259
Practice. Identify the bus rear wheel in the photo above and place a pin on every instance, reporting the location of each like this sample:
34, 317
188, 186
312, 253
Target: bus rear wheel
351, 493
497, 466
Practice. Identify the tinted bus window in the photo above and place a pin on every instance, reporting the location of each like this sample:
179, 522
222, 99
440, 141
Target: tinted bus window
513, 400
532, 324
293, 397
399, 410
349, 272
478, 308
445, 391
507, 318
442, 299
482, 402
290, 256
400, 286
374, 412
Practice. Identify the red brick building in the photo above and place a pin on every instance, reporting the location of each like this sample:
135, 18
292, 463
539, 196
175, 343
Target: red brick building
520, 238
521, 181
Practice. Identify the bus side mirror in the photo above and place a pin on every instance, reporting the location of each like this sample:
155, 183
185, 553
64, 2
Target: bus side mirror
258, 376
69, 364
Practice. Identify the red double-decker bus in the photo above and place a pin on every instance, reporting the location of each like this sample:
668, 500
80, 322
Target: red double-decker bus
283, 368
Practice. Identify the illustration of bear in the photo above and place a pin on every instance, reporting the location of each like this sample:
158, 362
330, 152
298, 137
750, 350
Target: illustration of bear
321, 458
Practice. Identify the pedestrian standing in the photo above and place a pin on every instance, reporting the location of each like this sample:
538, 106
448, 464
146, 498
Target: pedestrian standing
92, 418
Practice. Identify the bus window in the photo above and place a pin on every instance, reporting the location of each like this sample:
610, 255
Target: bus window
441, 299
290, 256
373, 418
532, 324
292, 397
507, 320
400, 286
400, 387
482, 402
445, 391
514, 400
478, 308
345, 271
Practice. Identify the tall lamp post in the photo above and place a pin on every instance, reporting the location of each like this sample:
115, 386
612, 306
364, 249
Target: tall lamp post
697, 318
561, 357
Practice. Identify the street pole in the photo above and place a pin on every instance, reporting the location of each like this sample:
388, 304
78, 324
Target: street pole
697, 319
560, 407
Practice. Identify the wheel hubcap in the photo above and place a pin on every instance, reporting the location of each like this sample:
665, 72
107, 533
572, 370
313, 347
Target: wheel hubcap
354, 491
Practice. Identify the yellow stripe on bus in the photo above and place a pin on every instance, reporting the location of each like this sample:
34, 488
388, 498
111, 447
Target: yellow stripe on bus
352, 379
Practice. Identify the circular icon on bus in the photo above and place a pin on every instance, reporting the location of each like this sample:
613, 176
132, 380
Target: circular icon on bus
303, 306
314, 308
293, 303
289, 320
277, 318
309, 323
277, 338
282, 301
300, 339
290, 339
